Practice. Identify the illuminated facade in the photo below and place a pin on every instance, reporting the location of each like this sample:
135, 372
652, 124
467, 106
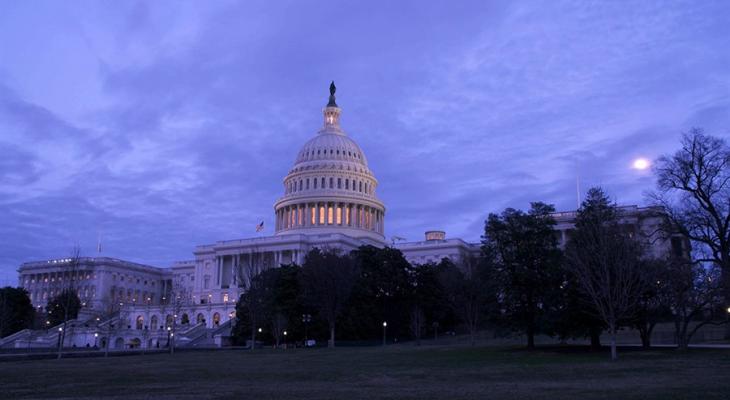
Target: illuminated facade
329, 201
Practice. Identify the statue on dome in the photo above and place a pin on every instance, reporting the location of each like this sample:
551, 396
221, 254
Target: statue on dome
333, 89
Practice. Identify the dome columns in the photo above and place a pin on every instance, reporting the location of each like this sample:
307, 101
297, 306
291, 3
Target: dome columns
330, 213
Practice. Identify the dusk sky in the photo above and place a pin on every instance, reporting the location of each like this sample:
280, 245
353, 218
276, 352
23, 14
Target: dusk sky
164, 125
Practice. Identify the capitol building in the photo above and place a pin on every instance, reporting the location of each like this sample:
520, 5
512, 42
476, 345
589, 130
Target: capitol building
330, 201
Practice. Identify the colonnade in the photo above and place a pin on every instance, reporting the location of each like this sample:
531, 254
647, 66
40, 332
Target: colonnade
330, 214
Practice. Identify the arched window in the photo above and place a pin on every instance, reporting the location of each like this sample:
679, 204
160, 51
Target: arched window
360, 190
307, 183
168, 321
153, 323
216, 319
315, 182
332, 183
339, 183
200, 318
323, 185
185, 319
140, 322
347, 184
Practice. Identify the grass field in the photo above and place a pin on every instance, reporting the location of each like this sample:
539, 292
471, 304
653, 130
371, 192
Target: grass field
396, 372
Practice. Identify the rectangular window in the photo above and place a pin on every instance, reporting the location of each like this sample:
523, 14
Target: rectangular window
339, 215
332, 183
347, 184
330, 211
323, 185
313, 212
347, 215
339, 183
307, 183
225, 297
321, 215
300, 212
315, 183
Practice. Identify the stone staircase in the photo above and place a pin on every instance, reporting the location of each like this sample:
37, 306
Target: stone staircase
211, 337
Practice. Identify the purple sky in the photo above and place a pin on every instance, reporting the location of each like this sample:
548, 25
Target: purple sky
166, 125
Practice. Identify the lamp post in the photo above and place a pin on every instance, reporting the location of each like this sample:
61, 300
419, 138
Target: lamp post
96, 338
170, 338
385, 327
60, 340
306, 319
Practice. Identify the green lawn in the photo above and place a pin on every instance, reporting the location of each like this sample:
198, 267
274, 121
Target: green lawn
396, 372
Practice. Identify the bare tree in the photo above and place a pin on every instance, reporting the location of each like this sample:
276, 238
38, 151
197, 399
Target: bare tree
68, 292
180, 298
691, 292
111, 310
327, 282
417, 319
606, 262
694, 190
464, 285
278, 327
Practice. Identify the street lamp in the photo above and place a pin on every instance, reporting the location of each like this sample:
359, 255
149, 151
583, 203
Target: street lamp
385, 326
96, 337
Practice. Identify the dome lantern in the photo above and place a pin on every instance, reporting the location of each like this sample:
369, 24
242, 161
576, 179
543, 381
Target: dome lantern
332, 114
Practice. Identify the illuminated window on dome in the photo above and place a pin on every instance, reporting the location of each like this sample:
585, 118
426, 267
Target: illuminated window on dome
347, 215
300, 217
339, 215
313, 213
330, 211
321, 214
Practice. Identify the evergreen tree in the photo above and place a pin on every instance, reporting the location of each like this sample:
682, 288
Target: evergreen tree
526, 268
16, 310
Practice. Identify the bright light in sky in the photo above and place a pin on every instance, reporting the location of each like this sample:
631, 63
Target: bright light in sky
641, 163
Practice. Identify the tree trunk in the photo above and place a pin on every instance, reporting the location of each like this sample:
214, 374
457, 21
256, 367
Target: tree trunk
645, 340
253, 337
614, 355
331, 343
530, 337
595, 334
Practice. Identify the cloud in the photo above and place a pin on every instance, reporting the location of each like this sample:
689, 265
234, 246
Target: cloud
164, 126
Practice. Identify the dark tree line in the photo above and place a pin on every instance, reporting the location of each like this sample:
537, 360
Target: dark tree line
603, 279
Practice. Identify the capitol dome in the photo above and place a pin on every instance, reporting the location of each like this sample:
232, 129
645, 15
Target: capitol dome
330, 188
